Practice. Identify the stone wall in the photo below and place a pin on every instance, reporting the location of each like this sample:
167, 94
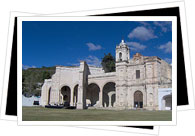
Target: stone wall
152, 73
45, 92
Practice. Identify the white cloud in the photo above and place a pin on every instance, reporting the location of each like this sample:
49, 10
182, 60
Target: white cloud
166, 47
168, 60
144, 23
93, 47
142, 33
135, 46
90, 60
164, 25
74, 64
93, 60
27, 67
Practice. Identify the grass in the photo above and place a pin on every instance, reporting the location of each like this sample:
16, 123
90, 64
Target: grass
45, 114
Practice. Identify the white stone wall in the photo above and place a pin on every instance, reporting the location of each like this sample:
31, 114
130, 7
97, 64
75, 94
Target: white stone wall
45, 91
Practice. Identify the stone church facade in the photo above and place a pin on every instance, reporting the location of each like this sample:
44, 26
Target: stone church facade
141, 82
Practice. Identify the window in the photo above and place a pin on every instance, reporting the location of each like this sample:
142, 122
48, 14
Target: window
120, 56
137, 74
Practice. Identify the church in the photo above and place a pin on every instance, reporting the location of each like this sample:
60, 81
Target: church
141, 82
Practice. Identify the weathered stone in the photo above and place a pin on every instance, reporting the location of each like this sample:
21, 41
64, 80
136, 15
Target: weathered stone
91, 86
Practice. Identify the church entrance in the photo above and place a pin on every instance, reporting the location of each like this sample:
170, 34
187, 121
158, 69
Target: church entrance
138, 99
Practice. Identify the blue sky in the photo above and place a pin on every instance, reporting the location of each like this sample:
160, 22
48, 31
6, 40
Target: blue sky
51, 43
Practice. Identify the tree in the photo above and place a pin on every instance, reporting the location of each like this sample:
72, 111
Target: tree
33, 78
108, 63
46, 75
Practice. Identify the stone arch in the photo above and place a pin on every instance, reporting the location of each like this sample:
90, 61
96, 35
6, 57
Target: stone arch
75, 95
49, 96
62, 85
167, 102
92, 95
94, 82
66, 93
138, 99
108, 81
109, 96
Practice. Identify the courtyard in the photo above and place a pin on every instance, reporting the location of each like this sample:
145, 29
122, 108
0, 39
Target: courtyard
48, 114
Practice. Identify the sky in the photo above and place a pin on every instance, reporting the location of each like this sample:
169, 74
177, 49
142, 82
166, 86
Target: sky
51, 43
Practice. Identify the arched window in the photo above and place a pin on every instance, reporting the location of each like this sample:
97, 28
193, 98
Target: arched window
120, 56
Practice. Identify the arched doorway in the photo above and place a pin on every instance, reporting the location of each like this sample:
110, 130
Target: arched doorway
65, 91
49, 96
109, 96
138, 99
167, 102
75, 98
92, 95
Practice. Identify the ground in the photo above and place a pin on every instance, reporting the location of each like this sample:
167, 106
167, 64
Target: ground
45, 114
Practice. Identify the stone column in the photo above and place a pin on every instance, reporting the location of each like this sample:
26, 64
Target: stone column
101, 97
80, 96
73, 100
163, 104
83, 73
71, 96
110, 98
61, 99
155, 94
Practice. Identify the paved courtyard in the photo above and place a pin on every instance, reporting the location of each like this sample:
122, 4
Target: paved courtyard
45, 114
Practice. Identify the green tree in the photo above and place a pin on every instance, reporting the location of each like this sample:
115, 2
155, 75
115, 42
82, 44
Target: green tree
33, 78
108, 63
46, 75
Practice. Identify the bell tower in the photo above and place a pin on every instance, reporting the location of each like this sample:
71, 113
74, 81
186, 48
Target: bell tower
122, 52
122, 60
